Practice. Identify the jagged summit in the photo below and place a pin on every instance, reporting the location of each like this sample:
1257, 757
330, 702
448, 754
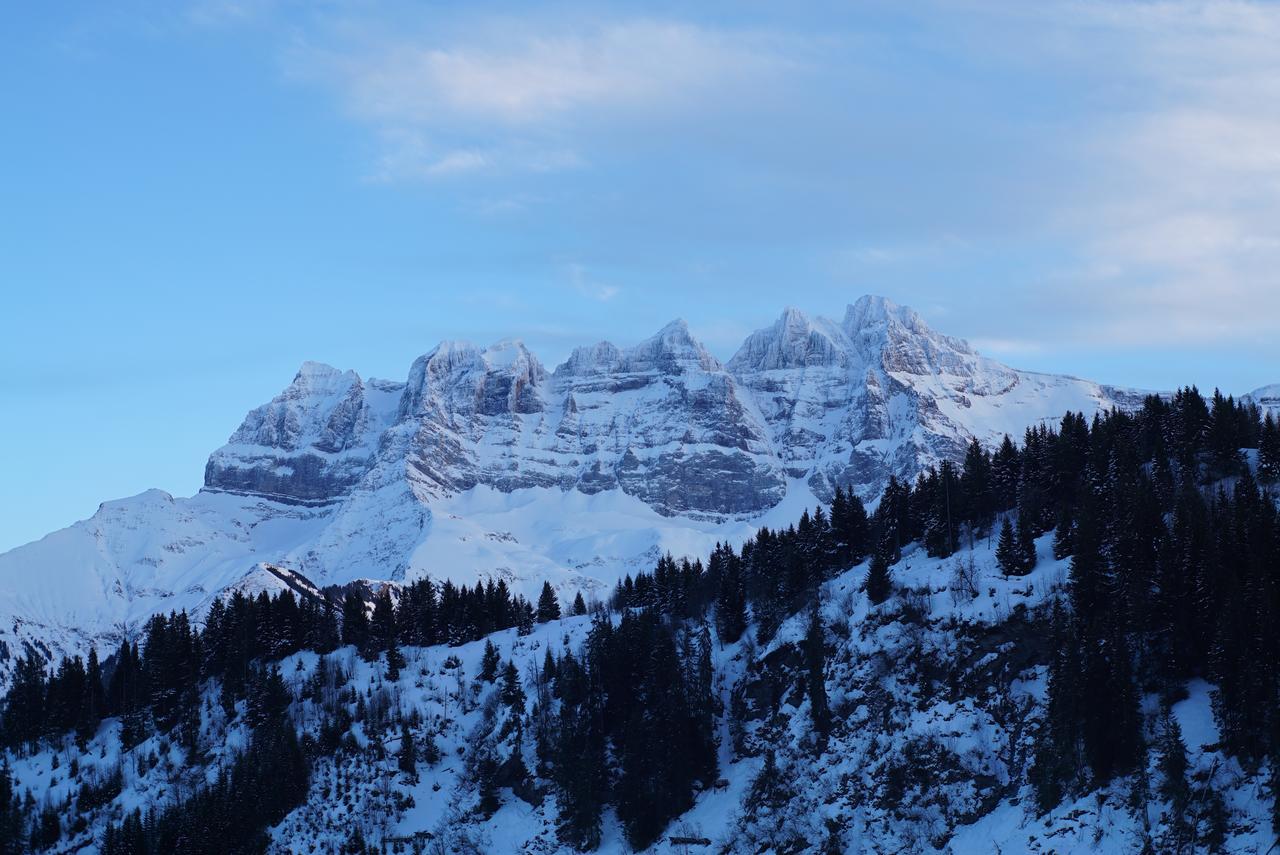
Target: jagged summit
671, 349
794, 341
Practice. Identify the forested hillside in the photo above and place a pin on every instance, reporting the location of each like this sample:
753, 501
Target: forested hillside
1069, 643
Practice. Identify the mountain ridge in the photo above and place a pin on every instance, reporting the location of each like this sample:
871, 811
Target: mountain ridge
483, 463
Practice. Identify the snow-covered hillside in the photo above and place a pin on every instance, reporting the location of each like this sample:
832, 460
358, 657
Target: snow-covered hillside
935, 709
484, 464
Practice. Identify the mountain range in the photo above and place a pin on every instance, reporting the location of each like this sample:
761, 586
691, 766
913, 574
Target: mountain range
483, 463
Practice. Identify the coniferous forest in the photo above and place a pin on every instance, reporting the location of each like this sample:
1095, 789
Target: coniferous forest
1166, 516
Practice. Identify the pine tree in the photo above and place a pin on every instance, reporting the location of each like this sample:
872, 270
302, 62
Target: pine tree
878, 583
815, 659
1173, 766
355, 621
731, 600
1008, 554
408, 759
579, 605
1026, 544
512, 691
395, 662
548, 605
13, 820
1063, 535
382, 629
489, 663
849, 528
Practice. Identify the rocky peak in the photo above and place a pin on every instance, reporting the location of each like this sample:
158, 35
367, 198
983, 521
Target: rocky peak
601, 358
461, 379
794, 341
898, 340
319, 408
671, 350
309, 444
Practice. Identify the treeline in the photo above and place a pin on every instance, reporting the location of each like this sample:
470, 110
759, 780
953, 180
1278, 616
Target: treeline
156, 681
776, 572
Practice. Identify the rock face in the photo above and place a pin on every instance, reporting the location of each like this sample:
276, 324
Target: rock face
485, 464
311, 444
880, 394
662, 421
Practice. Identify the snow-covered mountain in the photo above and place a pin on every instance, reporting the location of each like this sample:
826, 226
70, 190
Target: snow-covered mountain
483, 463
1267, 398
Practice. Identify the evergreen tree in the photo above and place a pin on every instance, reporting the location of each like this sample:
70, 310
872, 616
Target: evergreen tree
1026, 544
13, 820
579, 604
512, 691
1063, 535
408, 758
395, 662
355, 621
1008, 552
93, 707
731, 599
815, 660
850, 528
1173, 766
878, 583
382, 629
489, 663
548, 605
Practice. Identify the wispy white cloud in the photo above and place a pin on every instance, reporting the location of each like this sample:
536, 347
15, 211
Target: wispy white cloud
1174, 199
523, 90
587, 286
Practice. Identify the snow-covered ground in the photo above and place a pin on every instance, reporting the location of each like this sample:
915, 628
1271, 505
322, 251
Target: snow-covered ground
935, 715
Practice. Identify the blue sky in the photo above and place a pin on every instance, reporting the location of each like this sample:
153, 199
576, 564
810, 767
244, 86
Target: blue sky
200, 195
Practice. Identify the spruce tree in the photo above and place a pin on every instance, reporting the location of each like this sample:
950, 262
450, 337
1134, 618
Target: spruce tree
579, 605
489, 663
512, 691
395, 662
408, 758
548, 605
815, 659
355, 621
382, 629
1026, 544
1173, 766
13, 820
1063, 540
1008, 553
878, 583
731, 601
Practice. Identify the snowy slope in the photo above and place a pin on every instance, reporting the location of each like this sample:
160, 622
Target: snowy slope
483, 463
913, 764
1267, 398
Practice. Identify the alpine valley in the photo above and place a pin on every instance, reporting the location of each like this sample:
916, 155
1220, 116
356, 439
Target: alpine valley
857, 589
